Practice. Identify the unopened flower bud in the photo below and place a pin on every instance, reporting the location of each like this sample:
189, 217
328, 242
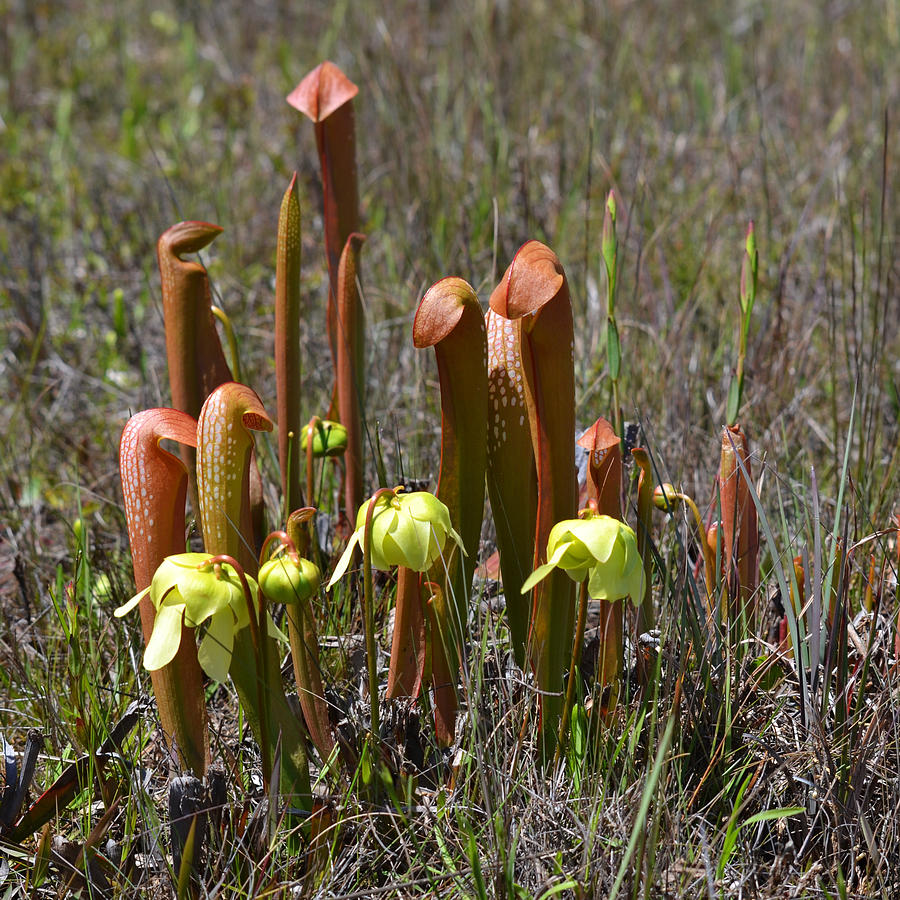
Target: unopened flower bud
329, 438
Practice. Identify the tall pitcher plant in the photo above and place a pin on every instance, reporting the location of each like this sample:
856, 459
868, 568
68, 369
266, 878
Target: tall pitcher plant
325, 96
193, 350
511, 473
534, 293
154, 486
449, 319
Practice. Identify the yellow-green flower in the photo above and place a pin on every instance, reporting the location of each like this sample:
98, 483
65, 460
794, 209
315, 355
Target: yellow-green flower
188, 589
597, 547
407, 530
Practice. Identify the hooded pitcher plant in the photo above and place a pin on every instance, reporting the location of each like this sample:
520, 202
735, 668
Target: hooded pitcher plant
196, 361
224, 445
603, 488
326, 95
350, 383
154, 485
449, 319
511, 472
287, 347
534, 291
740, 530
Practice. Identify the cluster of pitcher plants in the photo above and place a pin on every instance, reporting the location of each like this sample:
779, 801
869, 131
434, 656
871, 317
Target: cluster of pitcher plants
508, 422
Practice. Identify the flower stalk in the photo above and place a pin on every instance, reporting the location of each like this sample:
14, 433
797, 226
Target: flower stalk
666, 498
289, 579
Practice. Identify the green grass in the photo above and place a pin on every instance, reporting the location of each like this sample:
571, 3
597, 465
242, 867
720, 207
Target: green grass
479, 125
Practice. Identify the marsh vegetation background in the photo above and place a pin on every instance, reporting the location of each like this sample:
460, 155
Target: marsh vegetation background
480, 125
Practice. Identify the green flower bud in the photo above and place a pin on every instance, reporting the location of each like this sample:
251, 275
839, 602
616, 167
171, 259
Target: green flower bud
665, 497
329, 438
284, 581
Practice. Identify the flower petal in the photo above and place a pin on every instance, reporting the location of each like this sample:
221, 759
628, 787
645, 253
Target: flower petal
599, 586
390, 554
344, 562
166, 637
539, 574
426, 507
274, 631
599, 534
413, 538
214, 652
127, 607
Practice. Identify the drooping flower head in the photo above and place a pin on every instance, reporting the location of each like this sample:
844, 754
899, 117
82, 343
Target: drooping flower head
407, 530
597, 547
288, 578
190, 587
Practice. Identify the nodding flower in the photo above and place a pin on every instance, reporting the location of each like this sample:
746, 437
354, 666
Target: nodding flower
407, 530
599, 548
191, 588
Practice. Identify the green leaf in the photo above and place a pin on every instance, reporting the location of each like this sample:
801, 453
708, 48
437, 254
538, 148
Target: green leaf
732, 834
767, 815
734, 401
613, 349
